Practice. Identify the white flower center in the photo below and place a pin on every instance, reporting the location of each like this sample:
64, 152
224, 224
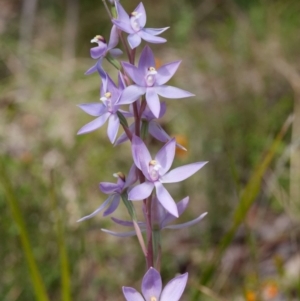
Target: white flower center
154, 168
106, 99
150, 76
134, 21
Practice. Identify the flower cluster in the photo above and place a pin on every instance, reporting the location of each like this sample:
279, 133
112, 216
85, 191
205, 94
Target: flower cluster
139, 88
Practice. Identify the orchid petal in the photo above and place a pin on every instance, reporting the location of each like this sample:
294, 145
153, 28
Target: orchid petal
96, 211
141, 191
109, 188
131, 177
113, 205
121, 13
165, 199
124, 26
91, 70
134, 40
139, 152
155, 31
158, 132
181, 206
172, 92
113, 127
143, 18
146, 60
131, 294
98, 51
93, 109
153, 101
165, 72
131, 94
150, 38
151, 285
122, 223
165, 156
121, 81
134, 73
93, 125
124, 136
174, 289
115, 52
181, 173
187, 224
120, 234
113, 39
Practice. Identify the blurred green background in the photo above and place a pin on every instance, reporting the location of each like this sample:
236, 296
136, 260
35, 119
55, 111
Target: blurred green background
241, 59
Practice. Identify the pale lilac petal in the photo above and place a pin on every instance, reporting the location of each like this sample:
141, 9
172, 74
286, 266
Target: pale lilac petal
96, 211
158, 132
113, 127
187, 224
172, 92
134, 73
124, 26
181, 173
153, 101
93, 109
91, 70
174, 289
181, 206
165, 72
98, 51
113, 205
113, 39
143, 18
122, 223
150, 38
115, 52
121, 13
155, 31
131, 177
165, 199
141, 191
93, 125
127, 223
146, 60
131, 94
131, 294
165, 156
152, 285
108, 188
139, 152
134, 40
120, 234
121, 82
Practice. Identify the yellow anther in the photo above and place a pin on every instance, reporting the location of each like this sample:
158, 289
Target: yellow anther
151, 69
120, 175
135, 13
107, 95
152, 162
153, 299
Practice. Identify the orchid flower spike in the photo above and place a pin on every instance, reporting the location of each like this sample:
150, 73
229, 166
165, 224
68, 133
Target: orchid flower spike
134, 25
152, 288
100, 51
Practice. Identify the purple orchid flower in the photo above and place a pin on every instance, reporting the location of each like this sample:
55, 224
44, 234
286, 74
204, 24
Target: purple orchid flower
152, 288
160, 217
156, 173
154, 128
107, 110
134, 25
114, 190
151, 82
100, 51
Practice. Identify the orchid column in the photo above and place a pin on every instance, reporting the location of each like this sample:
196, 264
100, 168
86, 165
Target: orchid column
137, 97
